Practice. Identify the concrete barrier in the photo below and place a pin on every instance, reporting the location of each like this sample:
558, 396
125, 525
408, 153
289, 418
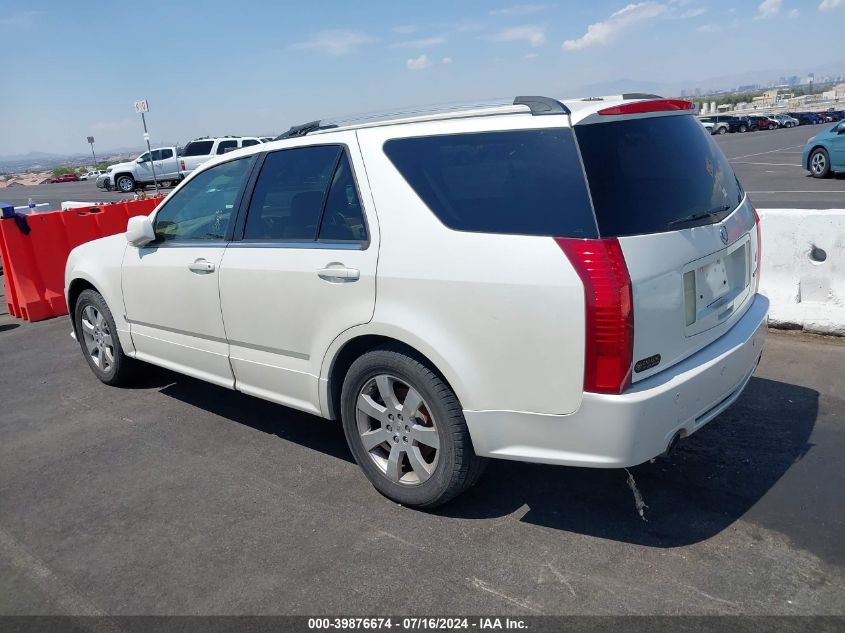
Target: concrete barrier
804, 268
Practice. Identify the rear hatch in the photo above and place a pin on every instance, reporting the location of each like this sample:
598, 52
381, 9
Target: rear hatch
661, 186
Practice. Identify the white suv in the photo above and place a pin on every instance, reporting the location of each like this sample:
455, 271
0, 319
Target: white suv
203, 149
566, 282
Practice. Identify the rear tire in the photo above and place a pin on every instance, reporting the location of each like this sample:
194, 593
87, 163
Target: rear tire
423, 459
723, 130
125, 183
97, 336
819, 163
743, 128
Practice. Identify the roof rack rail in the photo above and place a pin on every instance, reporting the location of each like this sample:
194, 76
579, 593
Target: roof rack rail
542, 105
302, 130
640, 95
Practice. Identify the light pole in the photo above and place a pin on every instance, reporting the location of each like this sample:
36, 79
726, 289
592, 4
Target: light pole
141, 107
91, 141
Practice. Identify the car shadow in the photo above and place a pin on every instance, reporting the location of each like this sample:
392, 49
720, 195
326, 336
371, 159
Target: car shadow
5, 327
713, 478
289, 424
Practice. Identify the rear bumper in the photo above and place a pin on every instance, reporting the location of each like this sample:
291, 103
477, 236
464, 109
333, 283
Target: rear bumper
614, 431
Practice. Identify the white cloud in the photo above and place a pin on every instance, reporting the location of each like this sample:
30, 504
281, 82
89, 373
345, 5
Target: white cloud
794, 13
20, 20
694, 12
709, 28
768, 9
419, 63
334, 42
519, 9
446, 60
530, 56
534, 35
604, 32
830, 5
404, 28
421, 43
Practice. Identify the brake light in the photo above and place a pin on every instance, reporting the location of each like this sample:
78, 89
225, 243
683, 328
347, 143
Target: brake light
652, 105
757, 259
609, 347
182, 162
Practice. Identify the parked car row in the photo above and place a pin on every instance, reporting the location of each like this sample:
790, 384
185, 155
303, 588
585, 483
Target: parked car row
169, 165
724, 124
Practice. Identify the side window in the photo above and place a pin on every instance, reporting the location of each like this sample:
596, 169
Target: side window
226, 146
289, 193
249, 141
156, 154
163, 153
203, 208
145, 157
343, 218
198, 148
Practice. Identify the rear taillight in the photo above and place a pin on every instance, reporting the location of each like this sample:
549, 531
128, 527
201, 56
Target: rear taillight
757, 259
182, 162
652, 105
609, 312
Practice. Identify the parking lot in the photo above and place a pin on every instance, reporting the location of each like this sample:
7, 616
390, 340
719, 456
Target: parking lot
768, 164
181, 497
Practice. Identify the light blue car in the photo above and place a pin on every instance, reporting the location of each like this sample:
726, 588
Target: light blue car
825, 152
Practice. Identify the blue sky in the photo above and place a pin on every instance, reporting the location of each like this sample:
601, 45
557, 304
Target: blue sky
71, 69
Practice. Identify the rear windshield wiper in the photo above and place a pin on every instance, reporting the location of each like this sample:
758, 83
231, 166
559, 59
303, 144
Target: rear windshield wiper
699, 216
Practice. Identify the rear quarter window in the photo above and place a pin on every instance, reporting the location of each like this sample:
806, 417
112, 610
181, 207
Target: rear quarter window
526, 182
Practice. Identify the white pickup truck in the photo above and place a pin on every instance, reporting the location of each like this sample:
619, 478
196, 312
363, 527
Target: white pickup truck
126, 177
200, 150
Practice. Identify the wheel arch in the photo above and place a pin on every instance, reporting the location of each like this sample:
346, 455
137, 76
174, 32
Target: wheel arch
346, 349
76, 287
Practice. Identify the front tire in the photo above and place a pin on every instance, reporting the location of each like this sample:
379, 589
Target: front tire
406, 429
723, 130
125, 183
97, 336
819, 163
743, 128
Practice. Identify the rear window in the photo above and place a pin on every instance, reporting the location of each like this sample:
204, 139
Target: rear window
198, 148
526, 182
647, 174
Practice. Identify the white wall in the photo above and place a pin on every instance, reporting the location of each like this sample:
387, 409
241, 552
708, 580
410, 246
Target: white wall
804, 293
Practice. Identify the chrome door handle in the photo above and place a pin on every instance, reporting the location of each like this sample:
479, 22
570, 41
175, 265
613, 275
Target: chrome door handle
201, 266
338, 273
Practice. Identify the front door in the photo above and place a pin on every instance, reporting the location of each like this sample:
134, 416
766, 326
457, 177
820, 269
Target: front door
170, 286
304, 271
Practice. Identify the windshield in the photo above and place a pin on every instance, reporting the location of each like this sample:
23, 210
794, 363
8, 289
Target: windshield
647, 174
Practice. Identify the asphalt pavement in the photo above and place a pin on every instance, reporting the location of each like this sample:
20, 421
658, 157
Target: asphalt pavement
179, 497
56, 193
768, 163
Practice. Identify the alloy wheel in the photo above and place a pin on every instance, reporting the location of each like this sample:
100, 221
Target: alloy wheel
818, 163
97, 337
397, 430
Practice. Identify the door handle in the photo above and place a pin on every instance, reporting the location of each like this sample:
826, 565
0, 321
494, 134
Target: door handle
338, 273
201, 266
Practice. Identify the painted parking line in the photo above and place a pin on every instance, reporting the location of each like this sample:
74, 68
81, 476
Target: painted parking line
745, 162
771, 151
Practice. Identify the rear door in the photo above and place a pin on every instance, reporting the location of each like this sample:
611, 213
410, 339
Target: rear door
303, 272
663, 188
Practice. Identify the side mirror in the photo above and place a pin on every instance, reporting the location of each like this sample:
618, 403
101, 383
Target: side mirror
139, 231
